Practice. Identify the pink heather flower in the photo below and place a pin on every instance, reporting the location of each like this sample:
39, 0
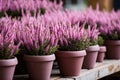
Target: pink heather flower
36, 35
8, 47
47, 48
56, 27
92, 33
31, 5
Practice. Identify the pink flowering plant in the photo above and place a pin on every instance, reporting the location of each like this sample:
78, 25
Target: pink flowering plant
71, 31
107, 22
16, 7
8, 48
100, 40
37, 38
111, 30
72, 39
92, 35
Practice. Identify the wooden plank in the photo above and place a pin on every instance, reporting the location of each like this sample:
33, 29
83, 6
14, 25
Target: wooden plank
101, 70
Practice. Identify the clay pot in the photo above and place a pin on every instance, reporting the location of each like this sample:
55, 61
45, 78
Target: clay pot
7, 68
70, 62
101, 54
113, 49
39, 67
91, 57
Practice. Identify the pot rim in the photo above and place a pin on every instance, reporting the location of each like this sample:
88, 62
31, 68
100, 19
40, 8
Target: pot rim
33, 58
102, 49
93, 48
70, 53
8, 62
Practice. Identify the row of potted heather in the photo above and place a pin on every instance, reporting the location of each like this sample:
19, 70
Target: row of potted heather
107, 19
111, 34
42, 36
39, 41
70, 54
38, 44
15, 8
8, 49
108, 24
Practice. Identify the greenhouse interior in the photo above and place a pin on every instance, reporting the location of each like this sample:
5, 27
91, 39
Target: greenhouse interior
59, 39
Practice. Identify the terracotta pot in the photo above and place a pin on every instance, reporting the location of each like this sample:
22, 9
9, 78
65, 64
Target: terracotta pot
7, 68
39, 67
70, 62
91, 57
101, 54
113, 49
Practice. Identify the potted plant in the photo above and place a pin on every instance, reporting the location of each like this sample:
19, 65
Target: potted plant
101, 53
17, 8
40, 44
111, 33
8, 50
92, 49
16, 11
70, 56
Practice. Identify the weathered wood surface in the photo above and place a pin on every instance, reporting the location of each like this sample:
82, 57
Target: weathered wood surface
101, 70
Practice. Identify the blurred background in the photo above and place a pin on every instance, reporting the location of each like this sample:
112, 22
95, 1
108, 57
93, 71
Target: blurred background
83, 4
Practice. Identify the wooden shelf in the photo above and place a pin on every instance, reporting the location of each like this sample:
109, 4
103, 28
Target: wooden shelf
101, 70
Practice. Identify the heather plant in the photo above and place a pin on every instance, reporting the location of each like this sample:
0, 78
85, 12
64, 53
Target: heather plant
107, 22
7, 46
16, 7
111, 30
37, 38
92, 35
100, 40
60, 24
71, 23
71, 30
72, 39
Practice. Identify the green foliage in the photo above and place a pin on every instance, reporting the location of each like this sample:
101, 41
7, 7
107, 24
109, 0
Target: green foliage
100, 40
41, 50
74, 46
52, 50
42, 11
2, 14
92, 42
16, 13
5, 53
114, 36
